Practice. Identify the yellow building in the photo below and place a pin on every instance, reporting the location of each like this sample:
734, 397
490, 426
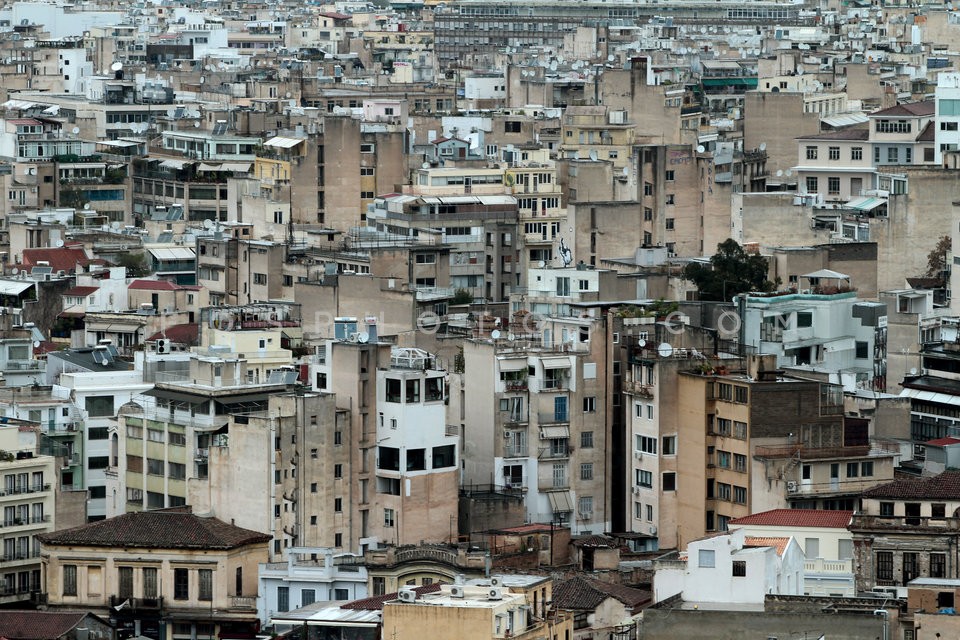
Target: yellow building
171, 573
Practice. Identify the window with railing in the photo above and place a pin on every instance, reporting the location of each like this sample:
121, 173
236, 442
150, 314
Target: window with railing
884, 560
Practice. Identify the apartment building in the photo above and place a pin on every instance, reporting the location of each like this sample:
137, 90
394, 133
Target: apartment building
310, 574
906, 529
165, 574
27, 502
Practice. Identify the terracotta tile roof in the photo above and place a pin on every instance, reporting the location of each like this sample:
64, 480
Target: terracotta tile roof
945, 486
376, 602
80, 292
534, 527
60, 259
595, 541
798, 518
942, 442
911, 109
180, 333
780, 544
154, 285
928, 134
38, 625
586, 594
159, 529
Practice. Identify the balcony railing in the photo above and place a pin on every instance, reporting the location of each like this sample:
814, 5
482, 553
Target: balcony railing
33, 488
516, 451
20, 522
861, 521
555, 453
452, 430
553, 417
136, 603
819, 565
638, 389
20, 555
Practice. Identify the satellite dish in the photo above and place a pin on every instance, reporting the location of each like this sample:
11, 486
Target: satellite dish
665, 350
642, 342
289, 94
196, 125
86, 206
36, 344
495, 334
15, 271
701, 149
913, 371
115, 225
425, 165
593, 154
799, 71
779, 172
763, 146
542, 264
611, 58
788, 173
208, 224
511, 337
59, 243
116, 66
363, 337
203, 79
75, 130
553, 65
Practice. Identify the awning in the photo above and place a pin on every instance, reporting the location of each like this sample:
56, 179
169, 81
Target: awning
245, 398
175, 395
556, 363
549, 433
175, 164
172, 253
931, 396
866, 203
239, 167
828, 274
513, 365
14, 287
560, 501
118, 143
113, 327
282, 142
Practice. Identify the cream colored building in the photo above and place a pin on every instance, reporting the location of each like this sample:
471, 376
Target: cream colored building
170, 569
27, 508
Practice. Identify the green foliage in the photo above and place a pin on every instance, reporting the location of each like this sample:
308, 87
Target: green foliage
136, 264
6, 456
937, 259
462, 296
731, 271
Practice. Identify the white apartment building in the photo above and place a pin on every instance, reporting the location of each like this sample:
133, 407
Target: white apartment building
310, 574
947, 98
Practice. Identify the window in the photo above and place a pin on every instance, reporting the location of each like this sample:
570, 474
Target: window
283, 598
833, 184
669, 222
706, 558
739, 430
804, 318
739, 569
586, 471
886, 509
586, 439
834, 153
99, 406
206, 584
590, 404
740, 495
938, 565
646, 444
307, 597
740, 394
893, 154
670, 198
669, 446
644, 478
367, 171
177, 439
181, 584
388, 517
812, 184
260, 278
238, 583
367, 195
338, 471
863, 350
69, 579
149, 582
938, 511
740, 462
177, 471
811, 153
856, 153
585, 506
368, 147
669, 482
125, 582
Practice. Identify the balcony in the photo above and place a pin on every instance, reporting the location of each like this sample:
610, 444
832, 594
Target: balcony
874, 522
452, 430
516, 451
22, 522
553, 417
136, 604
638, 389
515, 385
17, 490
555, 453
242, 602
821, 566
554, 384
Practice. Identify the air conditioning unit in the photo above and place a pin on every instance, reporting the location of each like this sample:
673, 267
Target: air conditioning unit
407, 595
792, 485
495, 593
496, 581
636, 491
653, 530
638, 455
456, 591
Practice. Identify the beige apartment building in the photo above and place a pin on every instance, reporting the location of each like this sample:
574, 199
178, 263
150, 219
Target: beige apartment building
174, 570
28, 509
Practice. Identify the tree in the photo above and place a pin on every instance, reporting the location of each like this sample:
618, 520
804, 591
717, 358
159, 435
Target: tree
937, 259
462, 296
136, 264
731, 271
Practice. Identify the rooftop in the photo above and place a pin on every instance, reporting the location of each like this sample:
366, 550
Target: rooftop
797, 518
583, 593
945, 486
177, 528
